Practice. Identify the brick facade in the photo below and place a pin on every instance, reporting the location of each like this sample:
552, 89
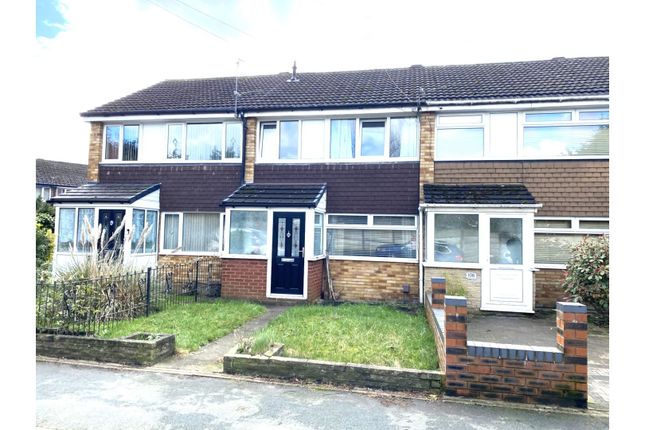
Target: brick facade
514, 373
315, 279
374, 280
249, 165
426, 150
244, 279
96, 146
564, 187
457, 283
548, 288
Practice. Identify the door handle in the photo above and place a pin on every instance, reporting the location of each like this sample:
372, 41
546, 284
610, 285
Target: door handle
301, 253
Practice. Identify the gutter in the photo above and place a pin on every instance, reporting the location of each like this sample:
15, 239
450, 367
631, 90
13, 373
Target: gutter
516, 100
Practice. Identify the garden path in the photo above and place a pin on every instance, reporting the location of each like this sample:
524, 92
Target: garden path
209, 358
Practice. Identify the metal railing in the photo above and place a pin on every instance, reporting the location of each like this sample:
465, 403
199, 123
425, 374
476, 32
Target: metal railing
90, 306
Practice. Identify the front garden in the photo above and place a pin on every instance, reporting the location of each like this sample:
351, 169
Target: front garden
351, 333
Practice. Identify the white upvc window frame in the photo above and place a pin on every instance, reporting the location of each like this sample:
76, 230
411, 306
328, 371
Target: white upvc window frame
145, 220
573, 230
521, 123
371, 226
180, 234
119, 159
269, 229
429, 260
75, 228
358, 158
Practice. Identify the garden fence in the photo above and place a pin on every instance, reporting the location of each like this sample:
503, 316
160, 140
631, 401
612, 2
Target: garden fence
89, 306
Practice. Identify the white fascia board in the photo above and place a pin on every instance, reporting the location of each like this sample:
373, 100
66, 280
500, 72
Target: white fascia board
515, 104
332, 112
479, 206
161, 117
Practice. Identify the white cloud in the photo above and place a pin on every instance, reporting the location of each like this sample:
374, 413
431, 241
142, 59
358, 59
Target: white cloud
107, 50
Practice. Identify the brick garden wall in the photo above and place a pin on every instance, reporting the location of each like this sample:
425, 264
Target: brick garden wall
374, 280
548, 288
244, 279
514, 373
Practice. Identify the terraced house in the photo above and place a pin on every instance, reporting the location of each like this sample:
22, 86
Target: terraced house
484, 174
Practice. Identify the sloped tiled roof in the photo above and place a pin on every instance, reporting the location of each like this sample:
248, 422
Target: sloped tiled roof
555, 78
105, 193
477, 194
60, 173
276, 195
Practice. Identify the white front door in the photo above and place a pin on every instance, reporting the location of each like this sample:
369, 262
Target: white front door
507, 276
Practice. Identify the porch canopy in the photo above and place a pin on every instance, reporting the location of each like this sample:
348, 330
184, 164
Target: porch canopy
491, 195
106, 193
277, 195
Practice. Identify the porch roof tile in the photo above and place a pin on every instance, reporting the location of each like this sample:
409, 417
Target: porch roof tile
477, 194
276, 195
105, 193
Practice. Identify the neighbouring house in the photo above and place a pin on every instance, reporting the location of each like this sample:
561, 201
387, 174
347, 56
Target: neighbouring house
54, 177
484, 174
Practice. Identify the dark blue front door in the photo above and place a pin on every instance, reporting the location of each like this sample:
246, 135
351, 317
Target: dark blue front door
288, 253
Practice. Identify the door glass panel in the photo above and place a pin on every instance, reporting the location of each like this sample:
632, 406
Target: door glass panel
506, 241
295, 240
282, 231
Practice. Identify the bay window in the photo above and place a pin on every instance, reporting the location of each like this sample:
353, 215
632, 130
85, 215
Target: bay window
144, 222
75, 227
372, 236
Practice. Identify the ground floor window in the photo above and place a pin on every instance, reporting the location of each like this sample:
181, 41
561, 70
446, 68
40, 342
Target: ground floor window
144, 231
75, 227
318, 233
556, 237
380, 236
248, 232
191, 232
456, 238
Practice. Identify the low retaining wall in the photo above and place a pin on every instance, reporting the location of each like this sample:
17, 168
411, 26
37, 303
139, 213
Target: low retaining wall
361, 375
516, 373
134, 349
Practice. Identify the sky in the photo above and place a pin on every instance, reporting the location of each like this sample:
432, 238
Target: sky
90, 52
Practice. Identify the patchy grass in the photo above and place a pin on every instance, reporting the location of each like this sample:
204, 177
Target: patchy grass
354, 333
194, 324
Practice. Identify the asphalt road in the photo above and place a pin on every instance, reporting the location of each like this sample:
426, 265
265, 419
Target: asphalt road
80, 397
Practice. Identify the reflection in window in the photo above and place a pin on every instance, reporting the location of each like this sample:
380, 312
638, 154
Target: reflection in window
597, 115
204, 142
555, 248
66, 229
248, 233
233, 140
130, 142
343, 138
171, 231
372, 243
175, 141
373, 138
566, 140
456, 238
269, 141
138, 225
112, 138
347, 219
84, 226
403, 137
460, 143
506, 241
151, 238
548, 117
288, 140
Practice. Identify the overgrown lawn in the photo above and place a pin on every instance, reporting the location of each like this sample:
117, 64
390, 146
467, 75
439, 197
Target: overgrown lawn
354, 333
194, 324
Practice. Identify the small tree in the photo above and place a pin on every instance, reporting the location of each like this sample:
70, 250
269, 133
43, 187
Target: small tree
587, 275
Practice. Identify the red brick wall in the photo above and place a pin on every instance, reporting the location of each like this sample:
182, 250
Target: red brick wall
315, 280
548, 288
374, 281
564, 187
244, 279
514, 373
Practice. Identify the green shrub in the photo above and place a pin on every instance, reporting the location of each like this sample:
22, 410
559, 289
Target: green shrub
587, 275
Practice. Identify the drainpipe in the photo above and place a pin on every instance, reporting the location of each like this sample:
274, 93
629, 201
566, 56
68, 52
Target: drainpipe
420, 247
241, 115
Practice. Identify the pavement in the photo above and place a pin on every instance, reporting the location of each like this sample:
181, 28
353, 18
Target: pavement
75, 397
209, 358
539, 330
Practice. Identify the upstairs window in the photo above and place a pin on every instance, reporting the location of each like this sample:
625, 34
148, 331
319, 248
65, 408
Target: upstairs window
204, 141
121, 142
460, 137
339, 139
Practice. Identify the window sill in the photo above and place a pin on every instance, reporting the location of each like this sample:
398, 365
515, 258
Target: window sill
476, 266
364, 160
244, 256
168, 252
175, 161
551, 266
